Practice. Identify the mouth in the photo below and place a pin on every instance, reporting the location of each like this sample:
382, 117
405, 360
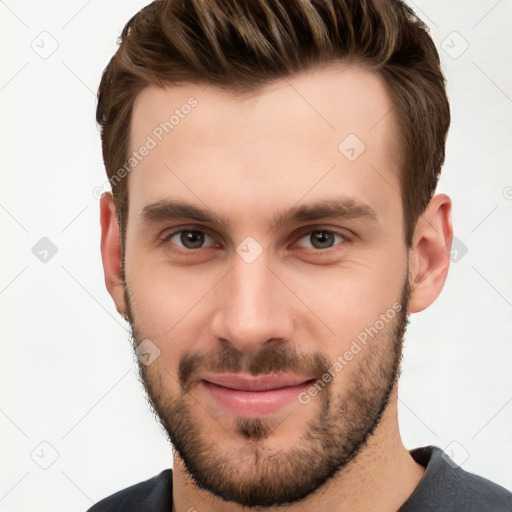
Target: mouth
248, 395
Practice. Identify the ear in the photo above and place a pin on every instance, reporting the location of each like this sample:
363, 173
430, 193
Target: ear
429, 259
111, 251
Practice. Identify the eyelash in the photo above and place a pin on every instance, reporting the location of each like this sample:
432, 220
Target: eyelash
302, 234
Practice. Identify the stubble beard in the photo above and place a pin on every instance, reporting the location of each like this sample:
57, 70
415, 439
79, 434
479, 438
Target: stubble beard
250, 475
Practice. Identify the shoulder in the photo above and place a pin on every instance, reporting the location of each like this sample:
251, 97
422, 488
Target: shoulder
446, 486
153, 495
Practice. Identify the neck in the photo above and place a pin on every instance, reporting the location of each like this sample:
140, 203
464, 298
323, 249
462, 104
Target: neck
380, 478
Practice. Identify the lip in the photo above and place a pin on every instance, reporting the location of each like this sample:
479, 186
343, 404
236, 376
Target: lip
253, 395
241, 382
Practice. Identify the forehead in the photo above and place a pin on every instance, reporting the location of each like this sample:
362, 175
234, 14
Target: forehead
329, 129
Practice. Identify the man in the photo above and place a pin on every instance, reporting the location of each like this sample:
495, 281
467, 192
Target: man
273, 222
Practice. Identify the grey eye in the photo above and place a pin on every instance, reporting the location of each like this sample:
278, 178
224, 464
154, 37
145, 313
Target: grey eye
322, 239
189, 239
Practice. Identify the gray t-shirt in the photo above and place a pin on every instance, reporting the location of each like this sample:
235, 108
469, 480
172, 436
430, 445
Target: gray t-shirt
445, 487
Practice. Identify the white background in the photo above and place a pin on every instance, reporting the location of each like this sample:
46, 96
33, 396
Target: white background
68, 376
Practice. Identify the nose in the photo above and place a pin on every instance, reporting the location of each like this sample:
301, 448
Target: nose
253, 306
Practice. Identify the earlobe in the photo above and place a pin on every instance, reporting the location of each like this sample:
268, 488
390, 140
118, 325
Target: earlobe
429, 259
111, 252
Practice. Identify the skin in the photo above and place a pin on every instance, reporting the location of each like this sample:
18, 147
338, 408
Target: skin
246, 159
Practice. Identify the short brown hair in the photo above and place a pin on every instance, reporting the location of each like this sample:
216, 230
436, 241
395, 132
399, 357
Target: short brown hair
242, 45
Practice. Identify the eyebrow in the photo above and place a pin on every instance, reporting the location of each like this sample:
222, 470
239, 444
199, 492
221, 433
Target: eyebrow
339, 208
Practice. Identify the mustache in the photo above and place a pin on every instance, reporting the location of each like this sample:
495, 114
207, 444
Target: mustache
270, 359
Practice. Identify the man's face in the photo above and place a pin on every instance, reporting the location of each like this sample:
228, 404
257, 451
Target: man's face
323, 300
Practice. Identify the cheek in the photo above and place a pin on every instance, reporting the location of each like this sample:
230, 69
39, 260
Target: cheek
169, 302
353, 294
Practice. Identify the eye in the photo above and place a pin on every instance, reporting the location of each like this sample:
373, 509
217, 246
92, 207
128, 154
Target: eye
188, 238
323, 238
192, 239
